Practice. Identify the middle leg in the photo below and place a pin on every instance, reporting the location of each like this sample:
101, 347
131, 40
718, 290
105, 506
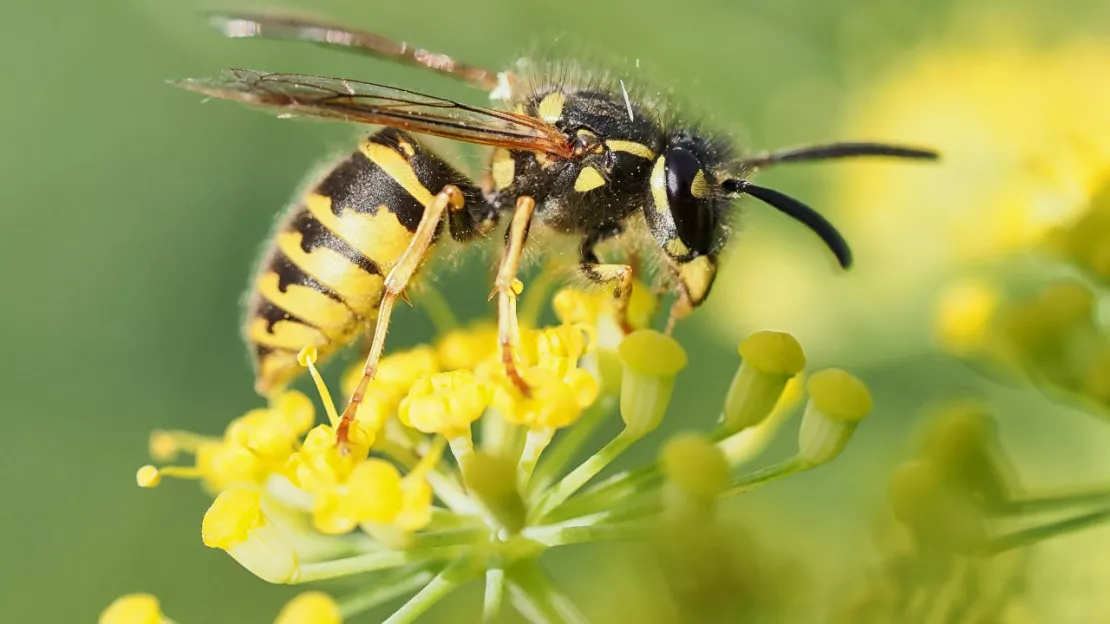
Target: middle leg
618, 275
507, 329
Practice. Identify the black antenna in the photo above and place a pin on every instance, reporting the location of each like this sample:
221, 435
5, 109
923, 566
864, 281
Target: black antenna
838, 150
800, 212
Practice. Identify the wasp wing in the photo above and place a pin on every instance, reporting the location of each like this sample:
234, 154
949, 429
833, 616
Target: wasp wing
339, 99
251, 24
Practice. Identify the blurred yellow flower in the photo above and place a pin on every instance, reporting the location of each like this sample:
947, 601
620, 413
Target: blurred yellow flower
1024, 136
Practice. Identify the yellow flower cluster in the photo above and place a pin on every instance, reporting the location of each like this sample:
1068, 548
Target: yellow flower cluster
293, 505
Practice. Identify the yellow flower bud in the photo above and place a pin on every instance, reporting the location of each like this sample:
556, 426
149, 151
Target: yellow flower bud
237, 524
940, 515
837, 402
312, 607
444, 403
651, 361
770, 360
134, 609
964, 314
694, 464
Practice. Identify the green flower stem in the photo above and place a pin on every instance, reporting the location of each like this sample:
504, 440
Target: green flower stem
499, 436
570, 442
577, 533
495, 592
444, 583
581, 475
536, 300
1057, 500
380, 593
370, 562
462, 447
752, 480
537, 598
454, 537
611, 492
1027, 537
535, 442
437, 308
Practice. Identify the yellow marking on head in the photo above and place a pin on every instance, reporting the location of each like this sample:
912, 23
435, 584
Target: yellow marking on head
361, 291
676, 247
551, 106
588, 180
285, 335
697, 277
631, 147
274, 370
406, 147
659, 185
393, 163
333, 318
699, 187
519, 109
503, 168
380, 237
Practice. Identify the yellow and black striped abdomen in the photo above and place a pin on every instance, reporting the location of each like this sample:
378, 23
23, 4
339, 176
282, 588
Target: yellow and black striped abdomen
321, 281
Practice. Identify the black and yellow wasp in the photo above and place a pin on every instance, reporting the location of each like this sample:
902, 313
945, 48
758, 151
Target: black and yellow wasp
575, 157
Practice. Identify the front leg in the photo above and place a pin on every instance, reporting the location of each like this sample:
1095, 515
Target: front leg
508, 332
617, 275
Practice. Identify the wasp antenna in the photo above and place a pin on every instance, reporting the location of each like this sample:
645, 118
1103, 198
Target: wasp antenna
839, 150
800, 212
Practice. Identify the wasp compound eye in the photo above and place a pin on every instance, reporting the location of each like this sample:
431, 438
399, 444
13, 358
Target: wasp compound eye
688, 200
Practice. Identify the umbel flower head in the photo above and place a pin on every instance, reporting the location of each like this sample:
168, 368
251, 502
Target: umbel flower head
452, 475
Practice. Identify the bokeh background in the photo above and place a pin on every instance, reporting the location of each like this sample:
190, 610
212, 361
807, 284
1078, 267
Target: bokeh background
133, 214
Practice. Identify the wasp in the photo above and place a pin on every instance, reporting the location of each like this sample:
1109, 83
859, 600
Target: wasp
577, 158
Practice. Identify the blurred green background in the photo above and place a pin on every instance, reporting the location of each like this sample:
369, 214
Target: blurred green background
133, 214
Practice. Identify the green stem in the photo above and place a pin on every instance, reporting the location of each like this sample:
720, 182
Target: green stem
536, 297
1055, 501
581, 475
438, 310
1027, 537
535, 441
752, 480
537, 598
611, 492
444, 582
556, 535
381, 593
567, 446
370, 562
495, 593
452, 537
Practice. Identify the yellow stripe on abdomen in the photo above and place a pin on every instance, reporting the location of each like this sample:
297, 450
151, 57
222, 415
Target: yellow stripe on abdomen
361, 291
289, 335
332, 318
380, 236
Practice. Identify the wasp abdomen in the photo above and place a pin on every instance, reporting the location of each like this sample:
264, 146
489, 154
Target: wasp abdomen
321, 282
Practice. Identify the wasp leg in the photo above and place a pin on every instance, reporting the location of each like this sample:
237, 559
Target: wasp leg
450, 198
680, 309
618, 275
508, 331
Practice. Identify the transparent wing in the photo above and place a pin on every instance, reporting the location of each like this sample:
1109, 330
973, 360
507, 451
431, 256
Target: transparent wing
271, 25
355, 101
